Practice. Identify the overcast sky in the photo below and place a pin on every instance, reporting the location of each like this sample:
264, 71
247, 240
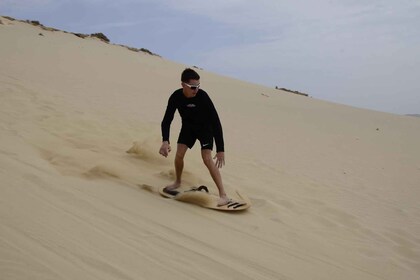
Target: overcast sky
364, 53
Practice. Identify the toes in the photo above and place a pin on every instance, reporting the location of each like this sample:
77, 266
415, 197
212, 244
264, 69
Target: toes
223, 201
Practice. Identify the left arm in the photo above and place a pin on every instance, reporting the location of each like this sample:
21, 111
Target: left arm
218, 135
217, 128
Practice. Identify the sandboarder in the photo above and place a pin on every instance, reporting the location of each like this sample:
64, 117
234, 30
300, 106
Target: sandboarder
199, 121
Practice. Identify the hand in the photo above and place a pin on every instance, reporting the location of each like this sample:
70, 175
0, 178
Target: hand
165, 149
220, 159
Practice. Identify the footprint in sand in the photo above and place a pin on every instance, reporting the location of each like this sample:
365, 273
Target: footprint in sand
148, 188
102, 171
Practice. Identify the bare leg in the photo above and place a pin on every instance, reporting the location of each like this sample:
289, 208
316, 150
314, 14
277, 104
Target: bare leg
179, 166
215, 174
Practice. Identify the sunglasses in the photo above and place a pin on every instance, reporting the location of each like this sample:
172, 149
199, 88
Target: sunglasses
193, 87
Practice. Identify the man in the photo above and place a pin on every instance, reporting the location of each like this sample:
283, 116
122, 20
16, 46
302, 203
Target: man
199, 121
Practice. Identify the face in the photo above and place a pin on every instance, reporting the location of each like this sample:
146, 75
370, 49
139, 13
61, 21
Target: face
190, 89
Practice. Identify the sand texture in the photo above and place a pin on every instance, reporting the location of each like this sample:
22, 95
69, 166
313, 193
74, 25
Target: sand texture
335, 190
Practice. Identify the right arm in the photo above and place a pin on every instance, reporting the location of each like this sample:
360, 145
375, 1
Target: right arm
167, 119
166, 125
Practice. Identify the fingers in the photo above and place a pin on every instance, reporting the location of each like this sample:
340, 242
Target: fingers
165, 150
220, 161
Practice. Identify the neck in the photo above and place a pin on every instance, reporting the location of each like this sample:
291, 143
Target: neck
189, 95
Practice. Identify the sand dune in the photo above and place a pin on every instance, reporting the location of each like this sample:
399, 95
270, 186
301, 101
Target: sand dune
334, 189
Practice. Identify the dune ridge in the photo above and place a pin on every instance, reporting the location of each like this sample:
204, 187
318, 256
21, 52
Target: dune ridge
334, 188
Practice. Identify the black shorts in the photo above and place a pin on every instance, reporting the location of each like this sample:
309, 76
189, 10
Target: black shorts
189, 135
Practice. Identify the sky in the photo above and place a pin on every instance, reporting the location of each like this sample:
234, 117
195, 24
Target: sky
362, 53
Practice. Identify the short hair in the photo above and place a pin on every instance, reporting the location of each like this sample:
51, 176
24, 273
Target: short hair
189, 74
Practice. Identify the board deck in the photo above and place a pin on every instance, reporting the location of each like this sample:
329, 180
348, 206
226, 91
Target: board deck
201, 197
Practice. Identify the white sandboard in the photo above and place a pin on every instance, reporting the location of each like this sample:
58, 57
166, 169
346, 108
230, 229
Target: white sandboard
201, 197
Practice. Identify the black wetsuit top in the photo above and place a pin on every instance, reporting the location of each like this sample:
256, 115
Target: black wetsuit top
197, 112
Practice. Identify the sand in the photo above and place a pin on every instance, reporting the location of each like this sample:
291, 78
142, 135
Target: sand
335, 189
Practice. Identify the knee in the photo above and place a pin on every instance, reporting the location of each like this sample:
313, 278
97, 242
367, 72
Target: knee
208, 161
179, 157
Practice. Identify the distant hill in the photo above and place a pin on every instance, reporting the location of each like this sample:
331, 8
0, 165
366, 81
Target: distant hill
100, 35
414, 115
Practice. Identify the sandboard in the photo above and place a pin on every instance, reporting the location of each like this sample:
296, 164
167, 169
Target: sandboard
202, 197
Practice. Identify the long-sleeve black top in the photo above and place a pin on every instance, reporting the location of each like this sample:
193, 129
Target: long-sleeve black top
196, 112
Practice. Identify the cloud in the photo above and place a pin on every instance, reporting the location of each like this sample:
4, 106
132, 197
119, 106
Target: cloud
279, 17
23, 4
117, 24
348, 52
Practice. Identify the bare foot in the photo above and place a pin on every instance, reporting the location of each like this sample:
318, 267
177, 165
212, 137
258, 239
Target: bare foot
224, 200
173, 186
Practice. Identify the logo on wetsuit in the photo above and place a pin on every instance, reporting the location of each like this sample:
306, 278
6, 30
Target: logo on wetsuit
191, 105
